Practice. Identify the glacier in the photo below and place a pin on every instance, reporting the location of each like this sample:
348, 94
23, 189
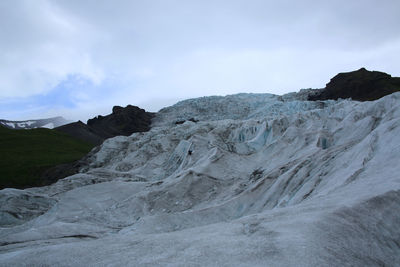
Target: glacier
241, 180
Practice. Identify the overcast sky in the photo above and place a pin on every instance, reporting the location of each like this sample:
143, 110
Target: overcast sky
78, 58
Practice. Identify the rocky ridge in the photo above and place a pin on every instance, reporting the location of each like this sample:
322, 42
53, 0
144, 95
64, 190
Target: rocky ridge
361, 85
122, 121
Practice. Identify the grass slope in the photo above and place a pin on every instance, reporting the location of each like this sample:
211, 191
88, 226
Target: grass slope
26, 154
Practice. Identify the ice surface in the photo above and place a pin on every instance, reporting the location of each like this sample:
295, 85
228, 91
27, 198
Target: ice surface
237, 107
258, 180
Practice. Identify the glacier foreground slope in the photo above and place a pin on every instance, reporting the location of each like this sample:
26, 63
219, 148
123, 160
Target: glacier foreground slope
252, 180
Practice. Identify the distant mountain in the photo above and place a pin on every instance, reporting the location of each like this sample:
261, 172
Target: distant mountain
361, 85
49, 123
122, 121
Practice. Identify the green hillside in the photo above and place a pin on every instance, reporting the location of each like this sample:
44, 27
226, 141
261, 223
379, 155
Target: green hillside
26, 154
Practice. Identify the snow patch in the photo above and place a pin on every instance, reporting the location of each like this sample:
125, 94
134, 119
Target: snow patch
48, 125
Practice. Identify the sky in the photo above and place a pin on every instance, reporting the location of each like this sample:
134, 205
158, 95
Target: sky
79, 58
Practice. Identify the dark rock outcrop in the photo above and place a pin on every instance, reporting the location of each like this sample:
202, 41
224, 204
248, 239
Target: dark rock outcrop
81, 131
361, 85
183, 121
122, 121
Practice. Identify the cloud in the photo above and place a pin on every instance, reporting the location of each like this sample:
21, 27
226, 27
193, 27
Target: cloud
130, 52
41, 45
